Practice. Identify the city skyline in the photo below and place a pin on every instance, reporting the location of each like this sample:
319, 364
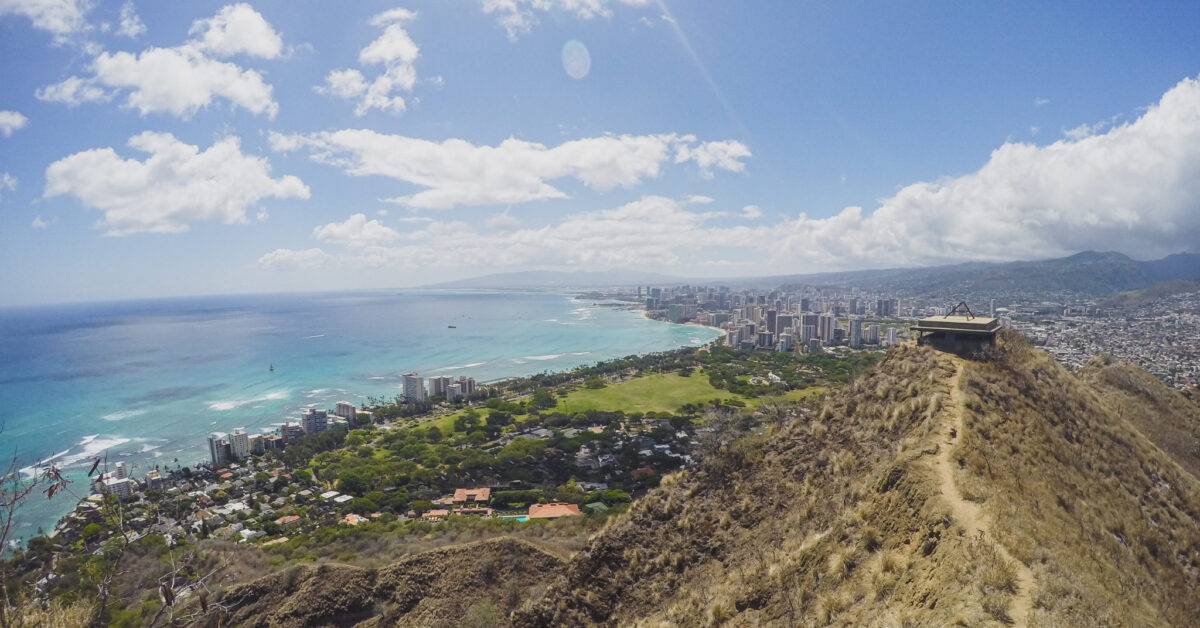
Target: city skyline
216, 148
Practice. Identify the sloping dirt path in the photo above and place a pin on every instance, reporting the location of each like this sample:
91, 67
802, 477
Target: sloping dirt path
968, 513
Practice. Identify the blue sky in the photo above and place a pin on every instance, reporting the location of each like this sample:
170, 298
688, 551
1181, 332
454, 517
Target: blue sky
151, 148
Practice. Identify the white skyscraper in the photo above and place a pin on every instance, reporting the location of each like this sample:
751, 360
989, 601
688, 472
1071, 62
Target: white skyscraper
218, 448
413, 387
346, 410
855, 333
314, 421
122, 471
239, 443
891, 336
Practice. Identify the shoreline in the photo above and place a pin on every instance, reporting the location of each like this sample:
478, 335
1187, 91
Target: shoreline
646, 316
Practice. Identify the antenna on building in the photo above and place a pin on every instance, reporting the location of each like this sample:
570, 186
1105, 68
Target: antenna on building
965, 307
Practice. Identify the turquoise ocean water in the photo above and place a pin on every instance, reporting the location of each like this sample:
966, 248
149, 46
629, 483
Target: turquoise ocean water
146, 381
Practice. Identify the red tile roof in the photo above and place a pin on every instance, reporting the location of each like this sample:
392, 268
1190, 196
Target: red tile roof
462, 495
553, 510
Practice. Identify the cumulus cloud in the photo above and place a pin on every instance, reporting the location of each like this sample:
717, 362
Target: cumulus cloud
1133, 188
291, 259
131, 25
518, 17
183, 79
396, 52
8, 183
237, 29
11, 121
356, 231
60, 18
456, 172
39, 223
651, 231
752, 212
175, 186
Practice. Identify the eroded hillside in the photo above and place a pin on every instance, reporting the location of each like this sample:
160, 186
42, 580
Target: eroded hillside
934, 491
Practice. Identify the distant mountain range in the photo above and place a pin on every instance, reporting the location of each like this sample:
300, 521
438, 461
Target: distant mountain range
1089, 272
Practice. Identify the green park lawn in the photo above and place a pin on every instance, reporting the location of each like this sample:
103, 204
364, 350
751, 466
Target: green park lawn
660, 392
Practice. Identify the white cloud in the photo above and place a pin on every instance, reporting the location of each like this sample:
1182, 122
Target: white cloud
290, 259
356, 231
651, 231
131, 25
752, 212
38, 223
1134, 189
73, 92
503, 222
724, 155
518, 17
175, 186
183, 79
1038, 102
237, 29
7, 183
11, 121
58, 17
699, 199
456, 172
396, 52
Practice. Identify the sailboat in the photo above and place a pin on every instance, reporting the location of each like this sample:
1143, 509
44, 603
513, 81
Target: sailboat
271, 368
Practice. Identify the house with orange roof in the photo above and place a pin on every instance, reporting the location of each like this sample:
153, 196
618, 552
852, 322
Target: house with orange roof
472, 495
553, 510
353, 519
288, 521
437, 514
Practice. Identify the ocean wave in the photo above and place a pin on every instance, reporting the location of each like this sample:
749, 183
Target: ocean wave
223, 406
313, 336
148, 448
377, 377
581, 353
315, 392
121, 415
93, 446
548, 356
459, 367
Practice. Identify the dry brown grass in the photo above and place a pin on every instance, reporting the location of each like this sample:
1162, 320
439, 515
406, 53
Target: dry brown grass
840, 520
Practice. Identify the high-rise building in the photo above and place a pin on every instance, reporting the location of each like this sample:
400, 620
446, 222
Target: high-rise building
257, 446
454, 392
468, 384
239, 443
438, 384
121, 471
855, 332
154, 481
346, 410
218, 449
807, 332
413, 387
891, 336
814, 345
290, 432
772, 318
314, 421
826, 323
873, 334
121, 487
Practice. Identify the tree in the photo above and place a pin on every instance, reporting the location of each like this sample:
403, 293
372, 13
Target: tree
353, 482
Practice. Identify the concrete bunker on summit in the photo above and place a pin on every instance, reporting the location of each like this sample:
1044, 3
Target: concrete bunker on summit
959, 332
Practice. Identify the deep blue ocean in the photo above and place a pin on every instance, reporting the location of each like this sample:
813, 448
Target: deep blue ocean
146, 381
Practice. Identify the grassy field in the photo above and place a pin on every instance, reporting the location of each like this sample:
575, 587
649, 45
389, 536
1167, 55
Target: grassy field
661, 392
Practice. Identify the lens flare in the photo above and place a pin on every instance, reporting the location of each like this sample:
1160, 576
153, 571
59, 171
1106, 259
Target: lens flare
576, 60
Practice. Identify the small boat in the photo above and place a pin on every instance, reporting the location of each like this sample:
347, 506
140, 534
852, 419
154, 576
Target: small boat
271, 368
452, 326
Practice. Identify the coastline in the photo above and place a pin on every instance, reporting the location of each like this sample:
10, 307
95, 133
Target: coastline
646, 316
199, 388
